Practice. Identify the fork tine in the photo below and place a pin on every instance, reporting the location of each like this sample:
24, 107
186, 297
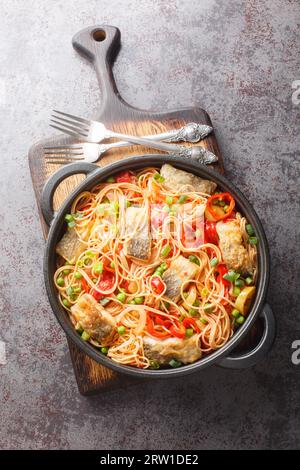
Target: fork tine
72, 122
59, 162
76, 118
63, 157
73, 133
63, 152
69, 146
73, 127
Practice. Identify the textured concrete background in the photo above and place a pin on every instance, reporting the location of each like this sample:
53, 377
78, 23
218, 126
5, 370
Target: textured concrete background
237, 59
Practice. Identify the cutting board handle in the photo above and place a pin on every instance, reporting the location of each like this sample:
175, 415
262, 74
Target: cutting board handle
100, 45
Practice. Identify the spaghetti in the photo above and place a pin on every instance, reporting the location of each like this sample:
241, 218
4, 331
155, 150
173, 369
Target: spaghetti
132, 234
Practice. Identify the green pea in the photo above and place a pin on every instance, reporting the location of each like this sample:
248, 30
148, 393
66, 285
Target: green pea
239, 283
169, 200
236, 291
77, 290
60, 281
78, 275
193, 312
112, 265
98, 268
66, 272
121, 330
235, 313
69, 218
240, 320
196, 303
189, 332
121, 297
139, 300
104, 350
85, 336
154, 364
66, 303
203, 320
111, 179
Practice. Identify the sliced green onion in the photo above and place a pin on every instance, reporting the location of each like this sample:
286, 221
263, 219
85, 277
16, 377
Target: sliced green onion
173, 363
235, 313
203, 320
225, 208
169, 200
104, 350
248, 280
250, 230
104, 301
253, 240
121, 297
194, 259
231, 276
78, 328
139, 300
158, 178
165, 251
69, 218
85, 336
60, 281
98, 268
121, 329
111, 179
214, 262
182, 199
154, 364
71, 224
101, 209
78, 275
189, 332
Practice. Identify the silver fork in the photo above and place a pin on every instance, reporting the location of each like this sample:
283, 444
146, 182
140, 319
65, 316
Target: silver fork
94, 132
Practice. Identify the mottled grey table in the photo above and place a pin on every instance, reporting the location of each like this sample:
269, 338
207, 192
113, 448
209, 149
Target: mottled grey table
238, 59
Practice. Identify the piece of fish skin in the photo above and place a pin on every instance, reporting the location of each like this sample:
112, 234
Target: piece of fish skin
176, 180
93, 318
70, 247
180, 270
139, 246
234, 254
163, 350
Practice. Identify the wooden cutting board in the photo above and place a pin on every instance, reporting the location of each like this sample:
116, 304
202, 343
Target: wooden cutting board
100, 45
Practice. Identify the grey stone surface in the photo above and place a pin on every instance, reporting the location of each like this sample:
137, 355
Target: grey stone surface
237, 59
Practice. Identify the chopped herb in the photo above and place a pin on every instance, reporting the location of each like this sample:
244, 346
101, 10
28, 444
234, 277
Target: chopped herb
173, 363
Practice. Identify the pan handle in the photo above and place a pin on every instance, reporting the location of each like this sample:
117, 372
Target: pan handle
100, 44
55, 180
251, 358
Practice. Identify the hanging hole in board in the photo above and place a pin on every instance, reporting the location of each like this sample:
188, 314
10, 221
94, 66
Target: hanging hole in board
99, 35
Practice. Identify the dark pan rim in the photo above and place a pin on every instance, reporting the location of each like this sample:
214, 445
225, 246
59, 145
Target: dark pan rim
135, 163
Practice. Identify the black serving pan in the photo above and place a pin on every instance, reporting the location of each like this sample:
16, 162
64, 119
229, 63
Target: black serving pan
95, 175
